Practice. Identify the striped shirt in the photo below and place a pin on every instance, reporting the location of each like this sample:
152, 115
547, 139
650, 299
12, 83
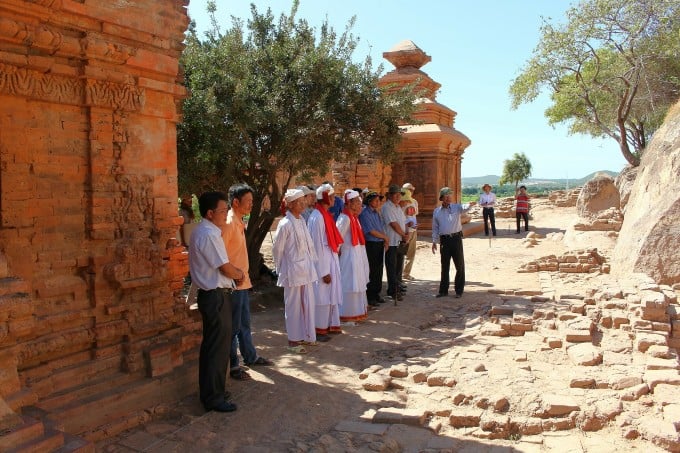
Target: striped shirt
522, 203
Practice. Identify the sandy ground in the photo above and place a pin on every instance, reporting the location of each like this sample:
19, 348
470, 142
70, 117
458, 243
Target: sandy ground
316, 402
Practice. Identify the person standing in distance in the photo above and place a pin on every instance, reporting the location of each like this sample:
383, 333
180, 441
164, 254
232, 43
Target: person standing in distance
447, 230
215, 278
487, 201
413, 238
522, 207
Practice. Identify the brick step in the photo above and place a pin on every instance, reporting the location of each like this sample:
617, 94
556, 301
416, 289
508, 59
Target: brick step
23, 397
25, 432
12, 285
50, 441
115, 398
72, 377
74, 444
84, 390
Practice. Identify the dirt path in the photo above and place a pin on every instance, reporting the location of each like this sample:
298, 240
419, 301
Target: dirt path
317, 402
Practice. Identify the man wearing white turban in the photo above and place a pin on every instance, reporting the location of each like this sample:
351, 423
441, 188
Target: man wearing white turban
294, 258
354, 270
327, 240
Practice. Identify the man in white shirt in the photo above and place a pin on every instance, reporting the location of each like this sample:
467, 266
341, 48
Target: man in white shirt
215, 278
487, 201
395, 228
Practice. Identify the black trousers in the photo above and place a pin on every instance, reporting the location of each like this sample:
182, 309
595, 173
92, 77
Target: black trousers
394, 264
215, 308
489, 217
375, 252
524, 215
451, 248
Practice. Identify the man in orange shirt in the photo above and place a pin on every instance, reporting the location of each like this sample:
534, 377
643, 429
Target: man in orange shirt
233, 234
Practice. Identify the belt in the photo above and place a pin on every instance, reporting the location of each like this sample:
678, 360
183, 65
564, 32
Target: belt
222, 290
452, 235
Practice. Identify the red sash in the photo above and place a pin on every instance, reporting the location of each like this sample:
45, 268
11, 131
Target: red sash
355, 228
332, 234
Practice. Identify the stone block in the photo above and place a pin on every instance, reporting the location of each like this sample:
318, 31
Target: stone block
440, 379
653, 299
465, 418
578, 335
399, 371
634, 393
584, 354
666, 394
557, 405
392, 415
376, 383
644, 340
655, 377
659, 432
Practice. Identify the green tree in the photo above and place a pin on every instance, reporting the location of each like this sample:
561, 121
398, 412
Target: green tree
515, 170
278, 99
612, 70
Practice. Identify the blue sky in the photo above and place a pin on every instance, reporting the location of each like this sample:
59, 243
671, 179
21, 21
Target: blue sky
477, 49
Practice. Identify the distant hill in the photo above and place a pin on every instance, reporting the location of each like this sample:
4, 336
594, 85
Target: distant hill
478, 181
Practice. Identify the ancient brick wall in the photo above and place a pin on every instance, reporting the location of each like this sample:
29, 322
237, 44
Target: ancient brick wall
90, 271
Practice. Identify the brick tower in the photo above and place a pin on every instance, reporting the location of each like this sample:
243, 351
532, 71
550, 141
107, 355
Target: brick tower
432, 150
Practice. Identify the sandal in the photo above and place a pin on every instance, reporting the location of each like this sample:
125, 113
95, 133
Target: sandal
240, 375
299, 349
262, 361
310, 343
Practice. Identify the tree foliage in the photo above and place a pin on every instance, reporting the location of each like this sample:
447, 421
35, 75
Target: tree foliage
612, 70
274, 99
515, 170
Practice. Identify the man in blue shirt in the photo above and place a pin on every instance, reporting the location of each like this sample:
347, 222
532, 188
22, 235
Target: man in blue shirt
376, 244
447, 230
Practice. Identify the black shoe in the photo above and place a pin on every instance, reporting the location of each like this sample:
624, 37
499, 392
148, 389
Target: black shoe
458, 295
441, 295
516, 232
323, 338
224, 406
380, 300
403, 287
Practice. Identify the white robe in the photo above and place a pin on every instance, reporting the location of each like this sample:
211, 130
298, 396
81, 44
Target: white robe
328, 296
294, 258
354, 272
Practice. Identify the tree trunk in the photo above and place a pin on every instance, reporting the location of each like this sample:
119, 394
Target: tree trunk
631, 158
258, 228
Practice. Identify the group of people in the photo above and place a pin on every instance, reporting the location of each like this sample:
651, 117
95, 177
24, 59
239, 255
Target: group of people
329, 252
487, 200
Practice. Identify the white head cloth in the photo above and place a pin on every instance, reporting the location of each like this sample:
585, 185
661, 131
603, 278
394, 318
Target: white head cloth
350, 194
293, 194
324, 188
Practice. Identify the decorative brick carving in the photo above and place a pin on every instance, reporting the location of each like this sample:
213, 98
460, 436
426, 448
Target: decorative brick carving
90, 269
